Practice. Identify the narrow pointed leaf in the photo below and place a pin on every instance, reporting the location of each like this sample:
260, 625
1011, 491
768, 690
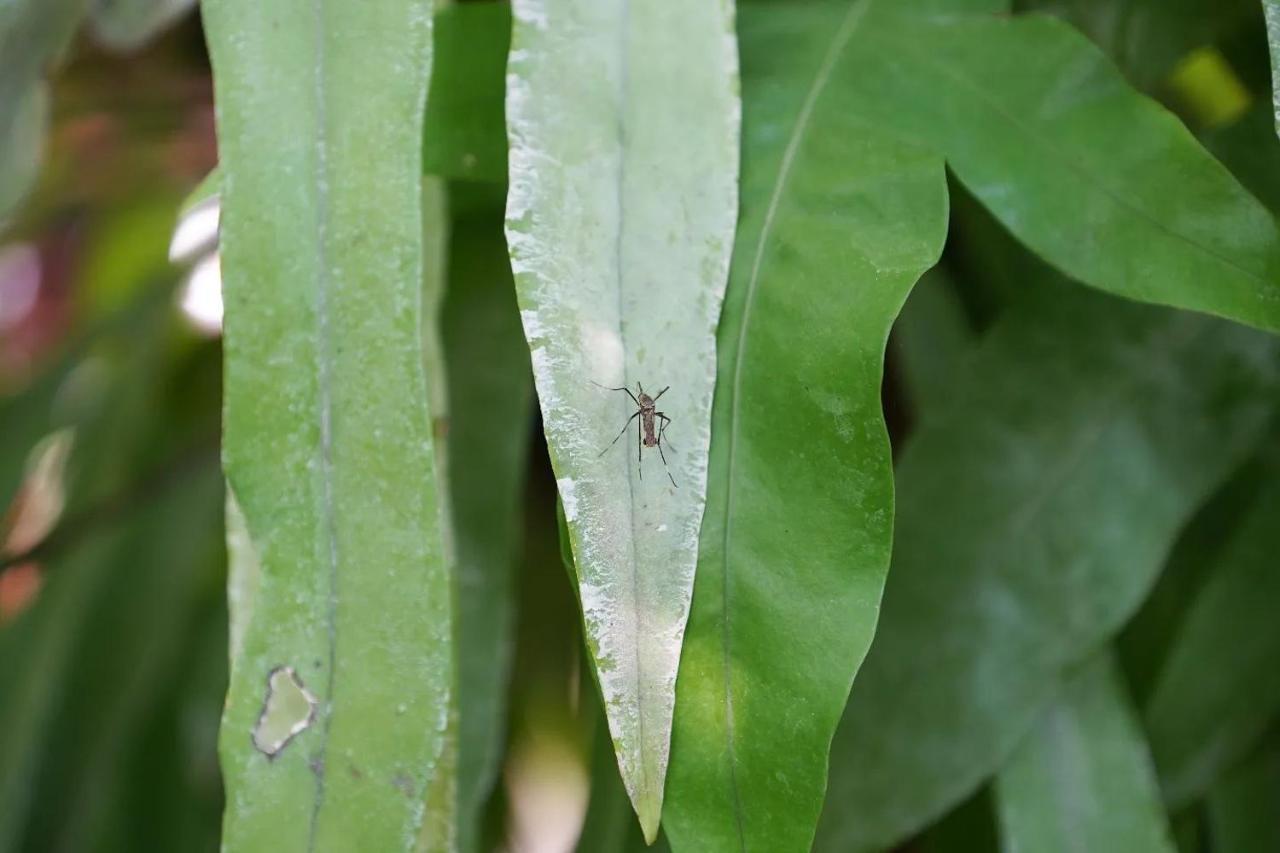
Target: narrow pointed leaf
796, 540
623, 121
609, 825
490, 406
465, 129
1100, 181
1220, 686
339, 697
1082, 778
1033, 514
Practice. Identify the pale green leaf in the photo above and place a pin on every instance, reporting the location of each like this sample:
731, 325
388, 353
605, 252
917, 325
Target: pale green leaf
620, 220
327, 441
838, 222
1033, 514
1082, 778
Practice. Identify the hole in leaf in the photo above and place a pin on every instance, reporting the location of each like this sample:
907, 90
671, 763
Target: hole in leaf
288, 710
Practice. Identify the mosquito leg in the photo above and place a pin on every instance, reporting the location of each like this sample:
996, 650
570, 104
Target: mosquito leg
619, 435
662, 431
660, 393
639, 450
664, 460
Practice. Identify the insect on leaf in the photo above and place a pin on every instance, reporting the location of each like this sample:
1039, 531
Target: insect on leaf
620, 221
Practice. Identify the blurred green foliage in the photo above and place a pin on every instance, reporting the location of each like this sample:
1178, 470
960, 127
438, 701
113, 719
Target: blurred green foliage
1080, 478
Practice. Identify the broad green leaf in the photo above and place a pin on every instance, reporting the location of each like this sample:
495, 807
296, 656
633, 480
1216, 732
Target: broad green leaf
1100, 181
490, 408
620, 220
465, 130
1242, 805
327, 442
128, 24
1082, 778
796, 539
1220, 686
33, 36
1033, 514
1147, 38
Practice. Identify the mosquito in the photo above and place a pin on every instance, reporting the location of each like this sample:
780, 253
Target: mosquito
651, 428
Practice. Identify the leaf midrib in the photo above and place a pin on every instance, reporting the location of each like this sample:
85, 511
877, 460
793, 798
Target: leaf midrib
324, 368
638, 612
822, 77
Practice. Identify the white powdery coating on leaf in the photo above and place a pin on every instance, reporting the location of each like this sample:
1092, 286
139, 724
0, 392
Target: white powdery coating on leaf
604, 351
621, 259
568, 498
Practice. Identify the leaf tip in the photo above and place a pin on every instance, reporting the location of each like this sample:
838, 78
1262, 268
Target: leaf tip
649, 810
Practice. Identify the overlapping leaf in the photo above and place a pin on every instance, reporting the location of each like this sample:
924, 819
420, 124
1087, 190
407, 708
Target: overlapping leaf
1100, 181
1220, 688
1033, 514
838, 221
491, 400
1242, 805
1082, 779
